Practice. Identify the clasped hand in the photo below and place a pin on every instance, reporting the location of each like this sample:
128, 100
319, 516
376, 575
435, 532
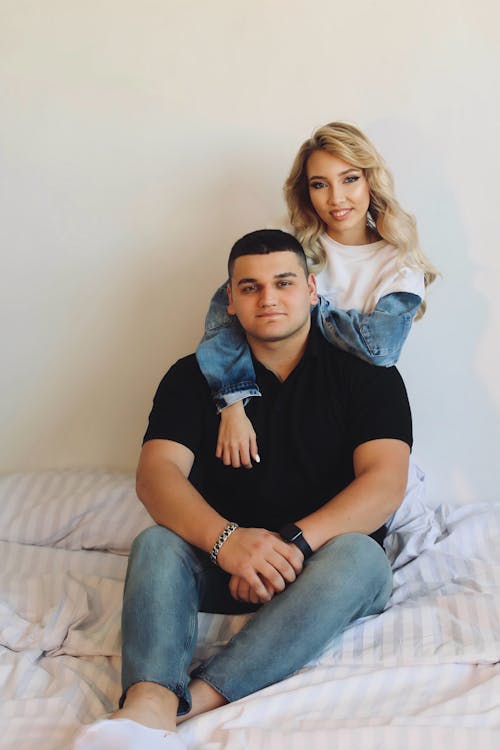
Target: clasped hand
260, 563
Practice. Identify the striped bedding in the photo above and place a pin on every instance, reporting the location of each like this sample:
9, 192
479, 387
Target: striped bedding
426, 671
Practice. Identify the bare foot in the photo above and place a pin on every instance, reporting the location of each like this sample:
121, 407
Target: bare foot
204, 698
151, 705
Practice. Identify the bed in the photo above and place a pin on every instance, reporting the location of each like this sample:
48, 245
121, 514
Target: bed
423, 674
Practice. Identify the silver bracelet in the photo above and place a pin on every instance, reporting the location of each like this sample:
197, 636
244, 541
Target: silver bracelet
223, 537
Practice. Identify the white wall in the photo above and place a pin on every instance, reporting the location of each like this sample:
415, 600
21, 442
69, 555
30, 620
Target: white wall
138, 140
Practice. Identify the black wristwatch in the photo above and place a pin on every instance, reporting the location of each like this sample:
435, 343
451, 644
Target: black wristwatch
291, 533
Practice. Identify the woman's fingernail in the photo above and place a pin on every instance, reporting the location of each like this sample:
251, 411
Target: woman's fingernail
257, 459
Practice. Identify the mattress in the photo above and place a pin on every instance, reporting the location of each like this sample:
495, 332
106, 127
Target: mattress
424, 672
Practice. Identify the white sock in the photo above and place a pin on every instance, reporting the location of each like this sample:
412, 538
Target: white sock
125, 734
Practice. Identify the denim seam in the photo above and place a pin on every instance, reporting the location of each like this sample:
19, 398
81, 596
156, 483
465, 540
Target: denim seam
185, 698
337, 340
384, 351
181, 688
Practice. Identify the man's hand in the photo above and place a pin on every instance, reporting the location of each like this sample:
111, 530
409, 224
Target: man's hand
243, 592
236, 442
260, 563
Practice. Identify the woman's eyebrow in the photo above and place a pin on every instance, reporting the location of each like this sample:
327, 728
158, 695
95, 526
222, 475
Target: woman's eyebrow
340, 174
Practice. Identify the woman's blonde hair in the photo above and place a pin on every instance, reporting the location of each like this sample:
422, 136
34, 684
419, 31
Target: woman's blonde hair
385, 215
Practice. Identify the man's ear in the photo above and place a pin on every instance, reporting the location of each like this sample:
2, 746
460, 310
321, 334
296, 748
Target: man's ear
313, 291
230, 307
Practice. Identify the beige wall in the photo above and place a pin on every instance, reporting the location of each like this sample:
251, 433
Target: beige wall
139, 139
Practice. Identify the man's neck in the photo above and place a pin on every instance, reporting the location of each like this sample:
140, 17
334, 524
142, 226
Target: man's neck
281, 357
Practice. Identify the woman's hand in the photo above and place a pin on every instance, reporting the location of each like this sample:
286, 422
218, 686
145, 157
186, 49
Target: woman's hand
237, 442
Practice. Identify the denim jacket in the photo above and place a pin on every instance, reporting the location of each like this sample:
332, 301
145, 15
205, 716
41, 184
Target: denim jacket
376, 337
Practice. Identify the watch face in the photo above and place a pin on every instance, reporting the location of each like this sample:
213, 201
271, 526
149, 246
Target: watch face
290, 532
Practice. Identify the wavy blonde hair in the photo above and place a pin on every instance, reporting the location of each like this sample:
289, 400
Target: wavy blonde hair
385, 215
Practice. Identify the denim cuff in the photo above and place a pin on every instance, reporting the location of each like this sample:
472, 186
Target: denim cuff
181, 691
200, 674
227, 399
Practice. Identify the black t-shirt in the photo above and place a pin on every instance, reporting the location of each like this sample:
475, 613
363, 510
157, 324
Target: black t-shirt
307, 429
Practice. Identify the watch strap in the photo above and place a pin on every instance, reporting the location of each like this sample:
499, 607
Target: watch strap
293, 534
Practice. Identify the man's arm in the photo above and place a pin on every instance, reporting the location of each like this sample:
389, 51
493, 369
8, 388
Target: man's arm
172, 501
381, 476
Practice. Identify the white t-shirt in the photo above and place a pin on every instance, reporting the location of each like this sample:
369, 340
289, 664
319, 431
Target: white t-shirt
357, 276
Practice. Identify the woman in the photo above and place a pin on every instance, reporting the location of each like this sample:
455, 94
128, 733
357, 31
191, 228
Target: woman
371, 273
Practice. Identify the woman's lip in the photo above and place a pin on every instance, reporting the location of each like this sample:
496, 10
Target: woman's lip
339, 215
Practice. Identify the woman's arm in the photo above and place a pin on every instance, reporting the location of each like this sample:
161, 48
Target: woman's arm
224, 358
376, 337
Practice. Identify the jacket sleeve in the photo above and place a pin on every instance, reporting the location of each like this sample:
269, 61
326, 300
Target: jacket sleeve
224, 357
376, 337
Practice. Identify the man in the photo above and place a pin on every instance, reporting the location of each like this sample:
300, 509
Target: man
290, 537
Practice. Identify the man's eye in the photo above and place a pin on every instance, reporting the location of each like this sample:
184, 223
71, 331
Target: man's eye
246, 289
284, 283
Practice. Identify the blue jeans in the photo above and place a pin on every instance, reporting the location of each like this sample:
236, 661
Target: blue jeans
376, 337
169, 581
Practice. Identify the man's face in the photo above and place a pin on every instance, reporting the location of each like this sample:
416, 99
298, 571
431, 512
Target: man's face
271, 296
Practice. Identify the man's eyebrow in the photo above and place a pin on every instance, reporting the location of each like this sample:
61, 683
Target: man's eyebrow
284, 275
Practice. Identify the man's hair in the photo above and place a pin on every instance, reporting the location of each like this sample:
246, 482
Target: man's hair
265, 241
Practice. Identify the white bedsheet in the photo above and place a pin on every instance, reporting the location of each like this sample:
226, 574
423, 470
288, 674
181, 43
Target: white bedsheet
425, 672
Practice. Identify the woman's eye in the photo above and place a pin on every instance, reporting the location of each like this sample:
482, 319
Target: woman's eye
317, 185
352, 178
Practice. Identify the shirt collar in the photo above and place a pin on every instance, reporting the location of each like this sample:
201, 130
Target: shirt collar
311, 351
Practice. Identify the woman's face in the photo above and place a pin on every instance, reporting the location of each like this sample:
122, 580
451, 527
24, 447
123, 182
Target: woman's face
340, 196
